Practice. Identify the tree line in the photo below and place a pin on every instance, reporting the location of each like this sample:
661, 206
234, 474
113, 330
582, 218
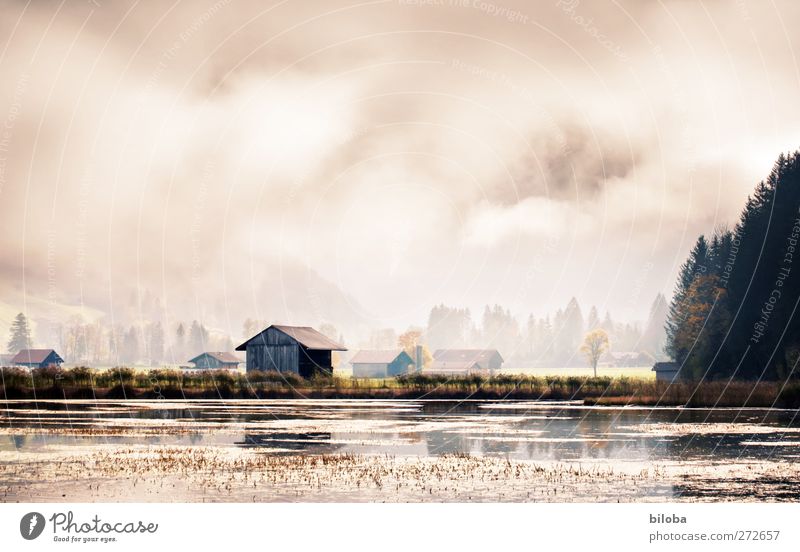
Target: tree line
549, 340
98, 343
735, 306
554, 339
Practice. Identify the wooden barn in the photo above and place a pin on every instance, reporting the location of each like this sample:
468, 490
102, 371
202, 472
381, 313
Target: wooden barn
381, 364
297, 349
37, 358
465, 361
667, 371
216, 361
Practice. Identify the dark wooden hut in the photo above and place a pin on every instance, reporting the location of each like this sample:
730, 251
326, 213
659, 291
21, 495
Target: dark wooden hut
667, 371
299, 349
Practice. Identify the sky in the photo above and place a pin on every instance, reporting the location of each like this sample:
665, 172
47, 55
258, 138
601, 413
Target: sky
356, 163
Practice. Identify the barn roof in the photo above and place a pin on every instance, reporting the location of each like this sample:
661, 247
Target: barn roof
384, 356
666, 367
481, 356
28, 356
221, 356
455, 366
308, 337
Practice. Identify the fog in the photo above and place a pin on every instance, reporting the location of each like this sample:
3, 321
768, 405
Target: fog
357, 163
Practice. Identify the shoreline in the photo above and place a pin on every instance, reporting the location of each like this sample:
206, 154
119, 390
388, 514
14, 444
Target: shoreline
613, 394
128, 384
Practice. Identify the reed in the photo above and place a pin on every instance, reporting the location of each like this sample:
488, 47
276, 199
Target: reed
602, 390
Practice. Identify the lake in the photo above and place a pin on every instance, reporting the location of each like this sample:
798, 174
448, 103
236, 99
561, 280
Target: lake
520, 449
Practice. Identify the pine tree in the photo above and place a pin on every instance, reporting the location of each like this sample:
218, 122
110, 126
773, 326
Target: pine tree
695, 265
608, 324
250, 328
700, 338
448, 327
179, 345
544, 340
593, 321
568, 332
654, 337
130, 346
198, 338
734, 311
156, 342
20, 335
530, 335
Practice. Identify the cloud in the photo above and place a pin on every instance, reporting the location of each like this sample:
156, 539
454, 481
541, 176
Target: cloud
532, 217
393, 155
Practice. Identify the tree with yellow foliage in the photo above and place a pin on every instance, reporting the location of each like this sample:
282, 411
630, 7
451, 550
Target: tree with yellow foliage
595, 343
409, 340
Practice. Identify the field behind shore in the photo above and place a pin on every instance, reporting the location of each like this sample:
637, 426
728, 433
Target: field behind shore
639, 372
345, 371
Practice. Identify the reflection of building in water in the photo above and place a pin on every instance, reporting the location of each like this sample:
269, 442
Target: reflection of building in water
15, 442
542, 434
450, 441
317, 442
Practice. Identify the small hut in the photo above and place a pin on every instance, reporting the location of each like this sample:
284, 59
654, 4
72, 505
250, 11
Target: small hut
216, 360
627, 359
465, 361
666, 371
456, 368
381, 364
37, 358
298, 349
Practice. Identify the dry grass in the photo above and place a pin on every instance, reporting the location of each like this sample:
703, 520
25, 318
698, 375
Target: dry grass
216, 474
707, 394
602, 390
